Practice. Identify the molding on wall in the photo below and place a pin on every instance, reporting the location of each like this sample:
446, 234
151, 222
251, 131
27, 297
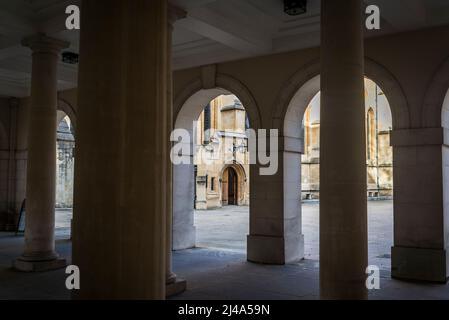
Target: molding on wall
435, 94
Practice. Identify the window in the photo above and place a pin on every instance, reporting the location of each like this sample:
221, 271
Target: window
207, 124
371, 134
212, 184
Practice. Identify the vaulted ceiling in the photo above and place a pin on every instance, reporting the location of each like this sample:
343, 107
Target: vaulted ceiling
213, 31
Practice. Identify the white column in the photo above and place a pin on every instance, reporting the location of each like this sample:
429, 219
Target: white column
421, 160
39, 253
174, 285
343, 206
120, 206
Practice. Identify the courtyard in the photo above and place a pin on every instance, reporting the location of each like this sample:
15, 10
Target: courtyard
226, 229
217, 268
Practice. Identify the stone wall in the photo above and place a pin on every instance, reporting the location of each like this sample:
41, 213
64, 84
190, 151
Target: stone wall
214, 153
378, 149
65, 161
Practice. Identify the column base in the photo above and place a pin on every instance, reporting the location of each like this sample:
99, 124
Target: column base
275, 250
265, 249
184, 237
39, 266
419, 264
176, 287
294, 248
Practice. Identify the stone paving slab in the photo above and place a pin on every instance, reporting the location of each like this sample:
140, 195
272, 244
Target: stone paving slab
223, 272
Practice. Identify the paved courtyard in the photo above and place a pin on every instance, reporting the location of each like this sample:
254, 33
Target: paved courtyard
227, 228
218, 268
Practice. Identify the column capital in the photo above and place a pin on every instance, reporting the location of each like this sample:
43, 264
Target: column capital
175, 13
44, 44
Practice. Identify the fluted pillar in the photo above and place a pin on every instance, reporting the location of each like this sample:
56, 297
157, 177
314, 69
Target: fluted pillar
174, 285
343, 207
39, 253
119, 236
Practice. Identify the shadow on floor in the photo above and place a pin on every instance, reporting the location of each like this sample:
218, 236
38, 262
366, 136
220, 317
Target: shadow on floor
210, 274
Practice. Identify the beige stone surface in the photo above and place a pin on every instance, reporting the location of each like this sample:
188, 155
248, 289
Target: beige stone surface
119, 236
343, 206
41, 161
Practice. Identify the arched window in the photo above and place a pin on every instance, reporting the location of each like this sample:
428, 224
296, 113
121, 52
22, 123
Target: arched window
371, 134
207, 124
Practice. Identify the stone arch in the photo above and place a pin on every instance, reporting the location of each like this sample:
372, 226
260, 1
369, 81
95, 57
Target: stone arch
187, 101
188, 105
435, 97
65, 161
238, 167
306, 78
304, 84
289, 110
435, 114
68, 109
370, 132
393, 91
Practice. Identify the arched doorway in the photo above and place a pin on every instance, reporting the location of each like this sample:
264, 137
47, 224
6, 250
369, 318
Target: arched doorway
65, 165
234, 187
219, 156
302, 127
230, 187
189, 104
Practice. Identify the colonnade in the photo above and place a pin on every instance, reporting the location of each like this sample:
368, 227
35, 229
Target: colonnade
122, 230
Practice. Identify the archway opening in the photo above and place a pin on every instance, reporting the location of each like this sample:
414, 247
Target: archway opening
211, 188
379, 154
229, 187
65, 164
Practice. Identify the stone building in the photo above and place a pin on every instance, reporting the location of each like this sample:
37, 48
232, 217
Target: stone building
146, 67
379, 153
65, 158
222, 158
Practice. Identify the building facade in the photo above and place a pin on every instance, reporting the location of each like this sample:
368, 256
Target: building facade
379, 153
121, 96
65, 160
221, 155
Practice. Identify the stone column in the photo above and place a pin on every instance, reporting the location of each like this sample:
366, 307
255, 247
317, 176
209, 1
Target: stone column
120, 205
343, 206
12, 205
173, 284
421, 162
275, 209
39, 253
